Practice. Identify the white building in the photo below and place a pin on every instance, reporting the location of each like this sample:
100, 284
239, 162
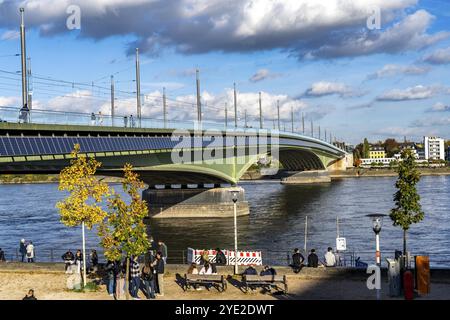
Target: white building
434, 148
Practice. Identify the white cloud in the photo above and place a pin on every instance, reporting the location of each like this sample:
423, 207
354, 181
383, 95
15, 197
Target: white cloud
263, 74
441, 56
324, 88
10, 101
439, 107
412, 93
10, 34
391, 70
315, 29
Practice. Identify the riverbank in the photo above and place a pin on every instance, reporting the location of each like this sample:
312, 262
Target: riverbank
49, 283
43, 178
385, 172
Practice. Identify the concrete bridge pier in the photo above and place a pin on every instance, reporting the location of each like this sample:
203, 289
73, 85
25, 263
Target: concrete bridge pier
187, 202
307, 177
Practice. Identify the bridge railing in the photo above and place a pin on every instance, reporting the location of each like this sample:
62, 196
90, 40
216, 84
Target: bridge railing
14, 115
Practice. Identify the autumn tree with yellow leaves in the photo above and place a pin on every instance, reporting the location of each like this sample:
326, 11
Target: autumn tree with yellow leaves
86, 193
123, 233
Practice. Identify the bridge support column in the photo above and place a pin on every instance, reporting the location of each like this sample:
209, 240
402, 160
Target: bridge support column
194, 203
308, 177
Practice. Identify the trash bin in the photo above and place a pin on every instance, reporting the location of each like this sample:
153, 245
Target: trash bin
422, 274
394, 278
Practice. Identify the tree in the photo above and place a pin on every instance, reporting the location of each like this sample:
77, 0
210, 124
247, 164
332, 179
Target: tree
391, 146
86, 193
366, 148
407, 201
123, 233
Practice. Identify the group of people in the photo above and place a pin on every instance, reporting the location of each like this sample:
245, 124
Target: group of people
149, 278
96, 119
330, 259
76, 260
131, 119
26, 249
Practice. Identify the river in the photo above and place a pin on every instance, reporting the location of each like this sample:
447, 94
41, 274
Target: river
275, 224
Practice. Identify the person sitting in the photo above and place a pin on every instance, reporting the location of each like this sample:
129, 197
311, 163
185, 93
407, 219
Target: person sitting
297, 260
250, 271
330, 258
221, 260
193, 270
30, 295
2, 255
68, 258
268, 271
207, 269
313, 259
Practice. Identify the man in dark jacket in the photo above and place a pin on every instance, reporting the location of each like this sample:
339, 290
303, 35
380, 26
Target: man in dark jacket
297, 260
250, 271
221, 260
162, 248
68, 258
2, 255
22, 249
158, 266
313, 259
267, 271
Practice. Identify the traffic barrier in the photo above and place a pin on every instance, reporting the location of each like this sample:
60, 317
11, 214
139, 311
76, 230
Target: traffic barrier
245, 258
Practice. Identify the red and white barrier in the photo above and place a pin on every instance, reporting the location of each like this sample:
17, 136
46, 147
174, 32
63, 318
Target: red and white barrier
245, 258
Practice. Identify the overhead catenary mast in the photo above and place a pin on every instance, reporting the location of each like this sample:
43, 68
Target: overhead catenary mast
138, 87
24, 59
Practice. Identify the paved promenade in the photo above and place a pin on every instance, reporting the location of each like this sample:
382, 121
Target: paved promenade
49, 280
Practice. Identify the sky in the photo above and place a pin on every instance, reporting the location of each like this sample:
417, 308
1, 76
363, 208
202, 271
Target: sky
367, 68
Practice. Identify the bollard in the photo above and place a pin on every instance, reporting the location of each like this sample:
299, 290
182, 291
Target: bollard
408, 285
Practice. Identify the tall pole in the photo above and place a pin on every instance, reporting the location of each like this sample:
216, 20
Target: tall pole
303, 123
312, 129
319, 132
24, 59
278, 112
84, 254
306, 233
245, 117
236, 270
235, 106
260, 112
112, 101
138, 87
199, 103
226, 115
30, 86
292, 119
164, 108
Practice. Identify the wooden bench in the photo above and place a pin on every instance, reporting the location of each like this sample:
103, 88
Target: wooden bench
216, 280
271, 281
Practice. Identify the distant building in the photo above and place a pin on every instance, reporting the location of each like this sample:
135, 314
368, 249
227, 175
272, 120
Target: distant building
434, 148
376, 152
367, 162
409, 146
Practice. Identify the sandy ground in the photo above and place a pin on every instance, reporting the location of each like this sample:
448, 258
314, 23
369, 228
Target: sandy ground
51, 286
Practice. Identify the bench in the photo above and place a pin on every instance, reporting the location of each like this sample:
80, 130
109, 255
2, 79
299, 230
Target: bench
216, 280
271, 281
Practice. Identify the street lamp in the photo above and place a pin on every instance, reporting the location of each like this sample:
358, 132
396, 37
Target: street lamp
234, 197
377, 221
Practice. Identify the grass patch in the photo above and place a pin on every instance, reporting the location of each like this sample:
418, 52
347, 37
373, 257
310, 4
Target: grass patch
90, 287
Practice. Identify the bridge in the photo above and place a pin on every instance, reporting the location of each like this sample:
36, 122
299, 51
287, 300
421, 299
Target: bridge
173, 154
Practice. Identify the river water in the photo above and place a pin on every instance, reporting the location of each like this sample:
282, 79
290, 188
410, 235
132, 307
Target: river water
276, 223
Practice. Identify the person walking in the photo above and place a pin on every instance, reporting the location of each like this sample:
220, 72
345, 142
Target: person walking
148, 278
131, 121
22, 249
163, 249
135, 277
30, 252
313, 259
297, 261
330, 258
100, 118
111, 274
68, 258
158, 266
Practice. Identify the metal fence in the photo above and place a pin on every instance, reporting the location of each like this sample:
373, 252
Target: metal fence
270, 257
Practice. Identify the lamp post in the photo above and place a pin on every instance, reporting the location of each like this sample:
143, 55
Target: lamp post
234, 197
377, 220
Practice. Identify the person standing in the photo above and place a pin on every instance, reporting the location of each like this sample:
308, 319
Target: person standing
79, 261
158, 266
2, 255
125, 121
100, 118
30, 252
149, 281
330, 258
23, 249
313, 259
131, 121
135, 277
163, 249
92, 119
94, 260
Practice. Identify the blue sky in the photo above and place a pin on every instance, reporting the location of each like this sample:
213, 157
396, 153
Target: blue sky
318, 58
